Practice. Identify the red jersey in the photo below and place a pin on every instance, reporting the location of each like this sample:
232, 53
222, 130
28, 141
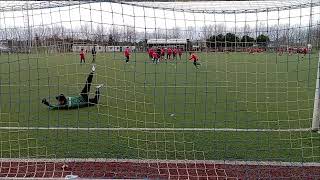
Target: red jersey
127, 52
180, 52
175, 51
155, 55
82, 54
150, 51
162, 51
193, 57
305, 50
169, 51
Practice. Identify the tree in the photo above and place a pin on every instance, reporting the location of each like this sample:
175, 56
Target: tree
99, 34
174, 33
111, 40
85, 31
263, 40
190, 33
211, 41
114, 35
206, 31
231, 39
220, 40
247, 41
37, 40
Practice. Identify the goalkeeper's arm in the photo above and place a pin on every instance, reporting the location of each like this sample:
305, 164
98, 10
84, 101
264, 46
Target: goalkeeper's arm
53, 107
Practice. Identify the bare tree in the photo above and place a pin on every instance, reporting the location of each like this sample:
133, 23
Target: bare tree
85, 31
206, 31
99, 35
115, 33
129, 34
174, 33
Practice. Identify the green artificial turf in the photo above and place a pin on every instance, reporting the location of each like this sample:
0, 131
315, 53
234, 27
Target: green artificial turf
235, 90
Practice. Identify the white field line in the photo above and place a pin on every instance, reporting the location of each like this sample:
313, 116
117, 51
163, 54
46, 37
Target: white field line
140, 86
149, 86
155, 129
168, 161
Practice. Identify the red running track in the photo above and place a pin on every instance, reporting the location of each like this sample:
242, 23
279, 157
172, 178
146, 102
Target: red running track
154, 170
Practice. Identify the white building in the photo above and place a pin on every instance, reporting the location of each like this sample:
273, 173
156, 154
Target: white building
118, 48
86, 47
180, 43
4, 48
99, 48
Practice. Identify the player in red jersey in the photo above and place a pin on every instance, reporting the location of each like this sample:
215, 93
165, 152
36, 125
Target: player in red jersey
290, 51
127, 54
304, 51
280, 51
169, 53
180, 53
82, 58
163, 52
150, 52
251, 50
155, 57
195, 59
175, 52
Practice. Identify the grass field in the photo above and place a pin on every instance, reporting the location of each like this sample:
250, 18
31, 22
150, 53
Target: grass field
235, 90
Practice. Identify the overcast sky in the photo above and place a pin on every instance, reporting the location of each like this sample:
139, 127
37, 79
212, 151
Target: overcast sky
106, 14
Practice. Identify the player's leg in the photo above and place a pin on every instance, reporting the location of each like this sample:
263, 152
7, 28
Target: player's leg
195, 63
87, 86
93, 58
95, 100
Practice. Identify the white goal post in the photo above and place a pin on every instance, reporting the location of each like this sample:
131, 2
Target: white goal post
316, 118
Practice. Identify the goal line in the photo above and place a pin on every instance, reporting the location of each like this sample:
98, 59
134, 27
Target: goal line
155, 129
229, 162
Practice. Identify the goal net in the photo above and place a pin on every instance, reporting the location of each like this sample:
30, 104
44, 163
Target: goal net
169, 89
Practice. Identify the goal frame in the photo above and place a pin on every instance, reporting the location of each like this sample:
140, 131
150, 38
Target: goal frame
316, 119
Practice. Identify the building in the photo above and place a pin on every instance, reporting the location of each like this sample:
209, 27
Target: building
118, 48
87, 47
100, 48
4, 49
179, 43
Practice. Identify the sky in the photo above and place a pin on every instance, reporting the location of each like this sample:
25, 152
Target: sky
107, 14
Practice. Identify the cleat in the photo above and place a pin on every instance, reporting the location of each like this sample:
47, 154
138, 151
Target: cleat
93, 69
99, 86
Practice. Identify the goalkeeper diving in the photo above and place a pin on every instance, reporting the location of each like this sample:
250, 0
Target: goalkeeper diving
82, 100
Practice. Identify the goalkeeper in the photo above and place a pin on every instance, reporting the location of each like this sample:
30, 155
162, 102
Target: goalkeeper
79, 101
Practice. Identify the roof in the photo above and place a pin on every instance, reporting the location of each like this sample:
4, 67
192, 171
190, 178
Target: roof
167, 41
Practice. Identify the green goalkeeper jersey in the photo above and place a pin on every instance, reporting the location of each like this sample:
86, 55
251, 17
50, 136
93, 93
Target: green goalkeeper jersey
72, 102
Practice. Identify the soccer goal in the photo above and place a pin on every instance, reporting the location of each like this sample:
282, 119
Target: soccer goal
159, 89
315, 118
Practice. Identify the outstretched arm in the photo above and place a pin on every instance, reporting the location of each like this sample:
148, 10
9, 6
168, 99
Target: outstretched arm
53, 107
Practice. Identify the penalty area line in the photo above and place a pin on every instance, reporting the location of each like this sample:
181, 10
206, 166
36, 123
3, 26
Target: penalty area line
156, 129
